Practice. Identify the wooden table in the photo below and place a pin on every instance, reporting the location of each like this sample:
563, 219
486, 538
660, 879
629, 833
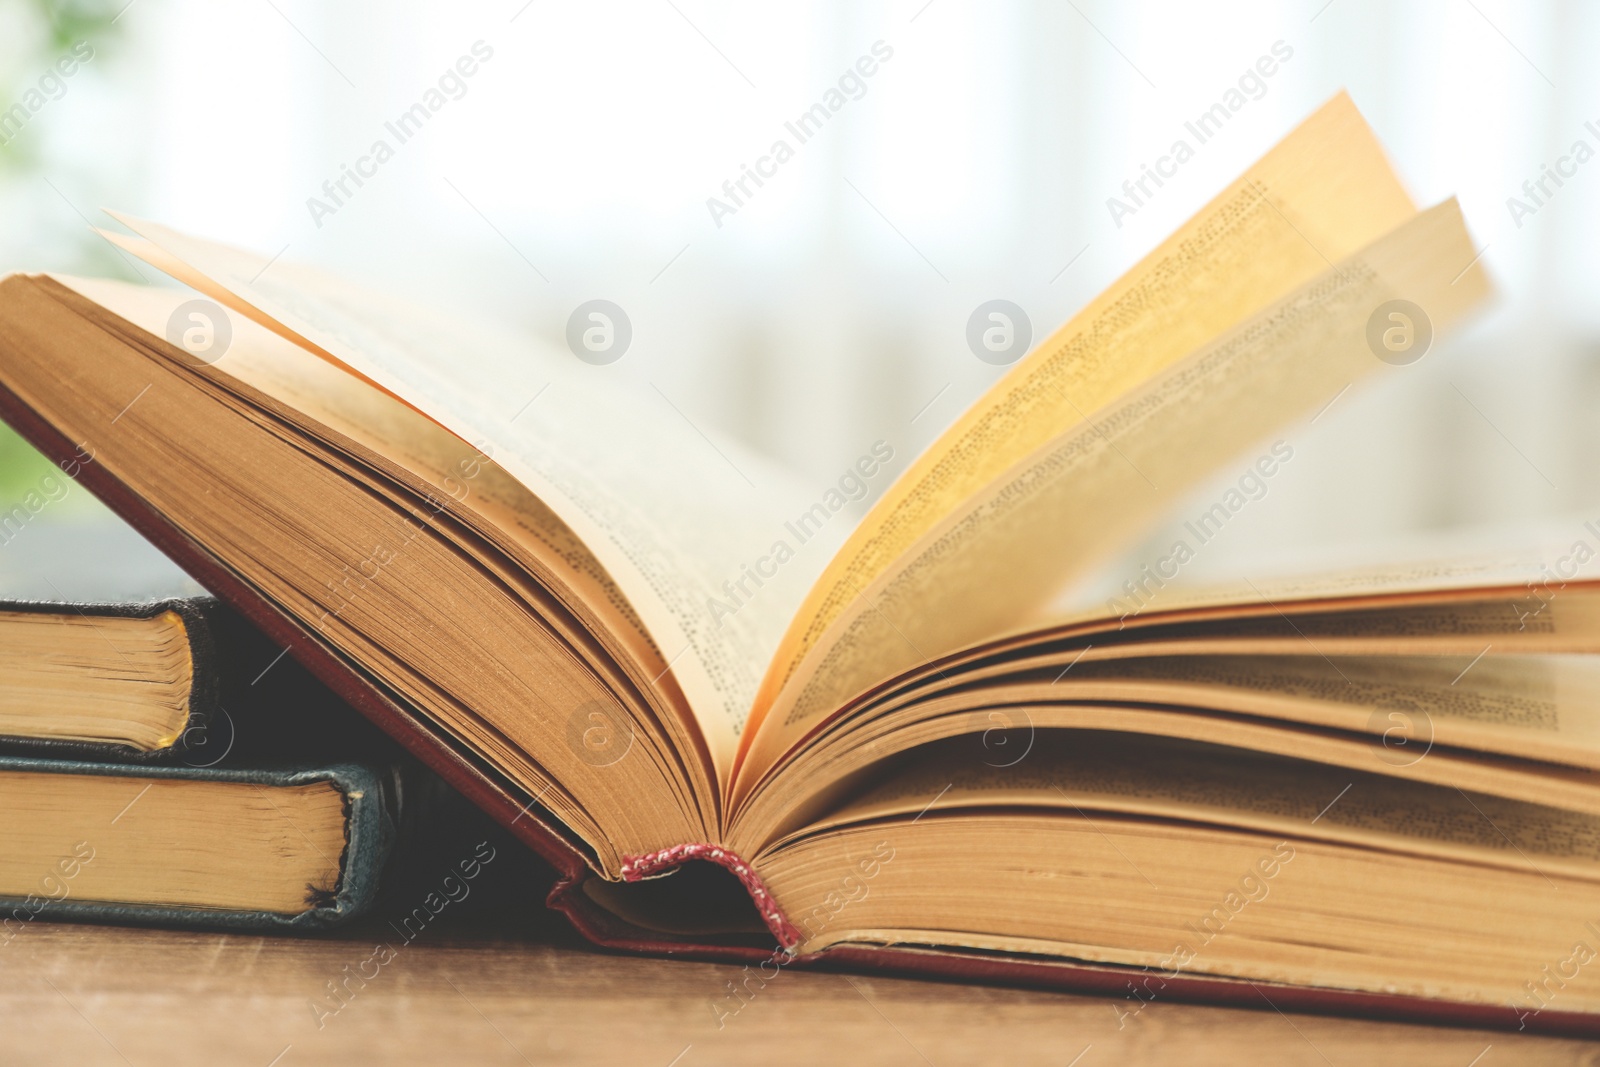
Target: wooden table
525, 991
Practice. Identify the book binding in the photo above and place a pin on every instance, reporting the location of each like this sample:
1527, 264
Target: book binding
653, 864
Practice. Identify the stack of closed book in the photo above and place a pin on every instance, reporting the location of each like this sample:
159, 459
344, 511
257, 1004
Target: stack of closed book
160, 761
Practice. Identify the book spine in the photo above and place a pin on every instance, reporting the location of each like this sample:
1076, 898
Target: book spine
637, 868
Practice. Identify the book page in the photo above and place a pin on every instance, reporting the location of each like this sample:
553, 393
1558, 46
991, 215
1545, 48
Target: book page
1163, 899
672, 512
1543, 707
1535, 572
1193, 782
999, 725
340, 401
1323, 193
1531, 553
464, 484
1506, 622
1064, 509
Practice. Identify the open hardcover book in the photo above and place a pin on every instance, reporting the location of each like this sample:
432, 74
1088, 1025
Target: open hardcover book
649, 652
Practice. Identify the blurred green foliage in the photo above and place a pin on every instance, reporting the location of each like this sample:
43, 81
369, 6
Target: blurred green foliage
78, 20
20, 466
49, 28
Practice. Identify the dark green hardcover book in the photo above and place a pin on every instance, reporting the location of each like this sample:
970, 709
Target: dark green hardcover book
163, 762
297, 848
110, 653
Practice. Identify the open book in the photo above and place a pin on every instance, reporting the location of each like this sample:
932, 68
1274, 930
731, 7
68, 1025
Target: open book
648, 651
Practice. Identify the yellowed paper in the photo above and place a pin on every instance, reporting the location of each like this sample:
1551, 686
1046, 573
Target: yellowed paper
1323, 193
1005, 552
1179, 780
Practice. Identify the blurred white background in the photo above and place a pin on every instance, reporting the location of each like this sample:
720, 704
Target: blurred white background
830, 310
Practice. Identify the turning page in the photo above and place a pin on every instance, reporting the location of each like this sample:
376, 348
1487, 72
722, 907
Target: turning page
1322, 193
1072, 503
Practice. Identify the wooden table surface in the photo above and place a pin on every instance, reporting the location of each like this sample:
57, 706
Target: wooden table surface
82, 994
